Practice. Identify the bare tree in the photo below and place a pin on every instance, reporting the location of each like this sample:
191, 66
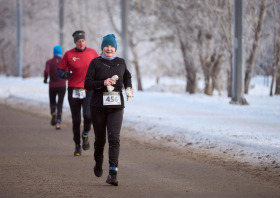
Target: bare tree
7, 37
226, 23
140, 30
250, 62
2, 66
276, 66
213, 41
178, 16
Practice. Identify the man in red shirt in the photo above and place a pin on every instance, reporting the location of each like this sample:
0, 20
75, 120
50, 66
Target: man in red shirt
57, 86
76, 62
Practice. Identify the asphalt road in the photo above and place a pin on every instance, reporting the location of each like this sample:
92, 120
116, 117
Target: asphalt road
37, 161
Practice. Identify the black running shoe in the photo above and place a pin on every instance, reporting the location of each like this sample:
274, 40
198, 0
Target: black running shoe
78, 150
98, 171
53, 120
112, 179
85, 143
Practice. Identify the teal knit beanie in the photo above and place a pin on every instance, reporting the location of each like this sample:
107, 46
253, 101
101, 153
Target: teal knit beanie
110, 39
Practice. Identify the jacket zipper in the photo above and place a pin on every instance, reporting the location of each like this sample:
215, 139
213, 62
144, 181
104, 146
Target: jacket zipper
106, 65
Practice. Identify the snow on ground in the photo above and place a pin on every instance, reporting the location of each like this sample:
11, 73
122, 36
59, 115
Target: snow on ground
164, 112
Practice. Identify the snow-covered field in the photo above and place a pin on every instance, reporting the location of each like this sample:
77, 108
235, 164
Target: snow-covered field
164, 112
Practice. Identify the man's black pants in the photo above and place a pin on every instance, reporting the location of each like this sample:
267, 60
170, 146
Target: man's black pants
75, 105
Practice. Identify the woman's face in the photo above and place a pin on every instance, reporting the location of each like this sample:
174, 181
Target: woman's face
109, 50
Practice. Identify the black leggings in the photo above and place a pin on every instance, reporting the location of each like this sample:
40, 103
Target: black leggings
112, 119
75, 105
53, 92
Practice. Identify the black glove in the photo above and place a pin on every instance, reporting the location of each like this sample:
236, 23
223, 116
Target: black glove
45, 78
67, 75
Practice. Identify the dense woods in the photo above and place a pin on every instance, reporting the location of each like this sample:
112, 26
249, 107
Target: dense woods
177, 38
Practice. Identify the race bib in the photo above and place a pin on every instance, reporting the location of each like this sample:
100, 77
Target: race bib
79, 93
111, 98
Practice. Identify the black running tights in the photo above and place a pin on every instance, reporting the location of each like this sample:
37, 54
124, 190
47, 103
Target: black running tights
53, 92
111, 119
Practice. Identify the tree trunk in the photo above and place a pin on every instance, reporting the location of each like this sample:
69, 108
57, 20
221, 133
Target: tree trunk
218, 84
229, 83
2, 66
136, 64
276, 48
208, 85
191, 72
139, 82
191, 82
277, 87
216, 72
211, 69
250, 63
158, 67
271, 86
229, 73
207, 69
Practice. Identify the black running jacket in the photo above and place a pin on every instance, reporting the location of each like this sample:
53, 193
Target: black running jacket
98, 71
